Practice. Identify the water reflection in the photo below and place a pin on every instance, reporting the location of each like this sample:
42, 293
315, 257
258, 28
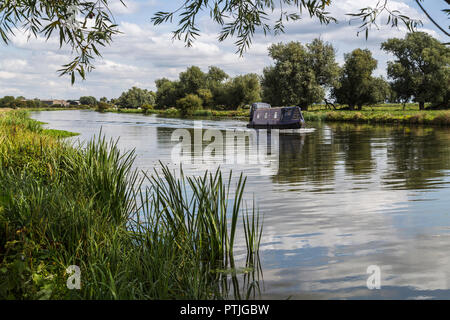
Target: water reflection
342, 197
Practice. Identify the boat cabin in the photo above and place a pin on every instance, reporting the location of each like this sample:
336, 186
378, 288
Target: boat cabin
263, 116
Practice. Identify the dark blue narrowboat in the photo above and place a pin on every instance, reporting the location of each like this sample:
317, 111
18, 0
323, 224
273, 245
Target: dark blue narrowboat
263, 116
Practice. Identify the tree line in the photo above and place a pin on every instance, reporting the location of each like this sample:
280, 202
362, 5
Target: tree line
305, 74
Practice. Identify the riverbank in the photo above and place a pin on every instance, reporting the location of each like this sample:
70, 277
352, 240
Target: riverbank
172, 112
384, 113
63, 206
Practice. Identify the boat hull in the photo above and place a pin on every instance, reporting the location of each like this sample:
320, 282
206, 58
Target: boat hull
297, 125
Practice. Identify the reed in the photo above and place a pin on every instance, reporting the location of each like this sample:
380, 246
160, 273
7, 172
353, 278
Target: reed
158, 235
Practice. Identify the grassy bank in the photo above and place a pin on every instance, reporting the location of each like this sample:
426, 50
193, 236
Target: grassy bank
383, 113
394, 114
133, 237
172, 112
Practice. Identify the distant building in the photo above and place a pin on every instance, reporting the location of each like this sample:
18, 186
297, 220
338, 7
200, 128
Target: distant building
63, 103
74, 102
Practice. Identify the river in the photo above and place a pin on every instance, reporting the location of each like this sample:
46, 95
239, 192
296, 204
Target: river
337, 199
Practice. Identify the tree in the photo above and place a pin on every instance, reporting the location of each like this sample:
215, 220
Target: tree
136, 98
206, 96
215, 82
189, 104
88, 100
85, 26
356, 86
167, 93
380, 91
300, 74
146, 108
421, 70
215, 75
7, 102
102, 106
192, 80
243, 90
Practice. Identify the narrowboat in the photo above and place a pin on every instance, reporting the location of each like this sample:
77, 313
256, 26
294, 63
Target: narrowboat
263, 116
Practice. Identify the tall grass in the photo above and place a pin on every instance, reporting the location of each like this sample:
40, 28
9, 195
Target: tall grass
149, 236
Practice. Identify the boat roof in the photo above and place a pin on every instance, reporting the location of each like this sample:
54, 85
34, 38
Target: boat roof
261, 105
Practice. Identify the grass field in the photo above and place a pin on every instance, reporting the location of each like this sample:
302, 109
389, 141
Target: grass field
381, 114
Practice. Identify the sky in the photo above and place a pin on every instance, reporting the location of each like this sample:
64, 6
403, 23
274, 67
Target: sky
144, 53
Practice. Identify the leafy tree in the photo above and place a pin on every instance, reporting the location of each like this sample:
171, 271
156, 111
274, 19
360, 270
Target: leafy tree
380, 91
356, 81
88, 100
206, 96
103, 99
7, 102
192, 80
102, 106
322, 59
136, 98
300, 74
146, 108
167, 93
215, 82
189, 104
216, 75
243, 90
421, 70
32, 104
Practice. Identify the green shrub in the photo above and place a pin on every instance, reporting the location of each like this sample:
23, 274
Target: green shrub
189, 104
146, 108
102, 106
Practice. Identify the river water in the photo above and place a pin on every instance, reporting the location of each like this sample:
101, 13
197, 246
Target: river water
337, 199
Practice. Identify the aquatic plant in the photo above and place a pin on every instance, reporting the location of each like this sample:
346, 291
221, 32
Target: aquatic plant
155, 236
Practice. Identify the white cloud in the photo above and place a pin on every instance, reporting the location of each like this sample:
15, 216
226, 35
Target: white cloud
144, 53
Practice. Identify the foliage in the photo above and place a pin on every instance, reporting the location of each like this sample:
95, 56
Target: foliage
300, 74
102, 106
189, 104
19, 102
192, 80
146, 108
243, 18
172, 239
214, 88
206, 96
357, 86
167, 93
243, 90
421, 70
81, 25
136, 98
88, 100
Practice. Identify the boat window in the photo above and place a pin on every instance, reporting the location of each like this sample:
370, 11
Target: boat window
265, 115
257, 116
275, 115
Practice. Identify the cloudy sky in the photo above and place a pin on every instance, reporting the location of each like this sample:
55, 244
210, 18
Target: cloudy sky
144, 53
